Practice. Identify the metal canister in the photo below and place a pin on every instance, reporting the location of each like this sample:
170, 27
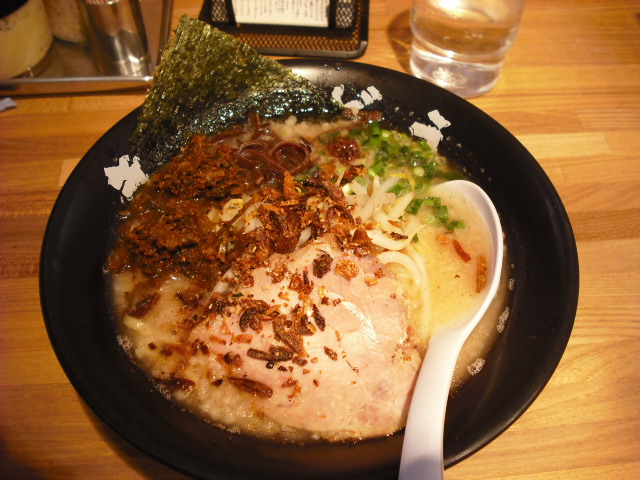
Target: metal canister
116, 35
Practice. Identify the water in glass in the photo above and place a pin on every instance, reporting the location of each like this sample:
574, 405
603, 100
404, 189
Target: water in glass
461, 44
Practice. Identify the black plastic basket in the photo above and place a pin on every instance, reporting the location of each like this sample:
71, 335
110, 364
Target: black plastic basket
345, 37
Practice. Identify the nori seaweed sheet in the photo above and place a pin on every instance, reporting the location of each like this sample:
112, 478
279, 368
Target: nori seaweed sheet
208, 81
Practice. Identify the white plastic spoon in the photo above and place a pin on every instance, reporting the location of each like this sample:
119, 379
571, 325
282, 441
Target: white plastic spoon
422, 451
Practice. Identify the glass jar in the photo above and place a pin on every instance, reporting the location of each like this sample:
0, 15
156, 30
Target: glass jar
25, 38
64, 17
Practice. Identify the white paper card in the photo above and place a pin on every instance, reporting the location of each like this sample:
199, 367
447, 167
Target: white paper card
301, 13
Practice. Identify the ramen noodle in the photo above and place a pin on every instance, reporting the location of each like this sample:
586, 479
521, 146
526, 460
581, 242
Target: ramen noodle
282, 278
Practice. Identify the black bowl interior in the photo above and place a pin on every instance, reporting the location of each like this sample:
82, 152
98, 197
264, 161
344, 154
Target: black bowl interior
545, 269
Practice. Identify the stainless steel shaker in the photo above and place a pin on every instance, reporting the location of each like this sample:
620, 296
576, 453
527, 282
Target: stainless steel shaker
116, 35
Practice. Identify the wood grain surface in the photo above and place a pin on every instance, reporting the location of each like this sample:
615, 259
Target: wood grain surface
570, 92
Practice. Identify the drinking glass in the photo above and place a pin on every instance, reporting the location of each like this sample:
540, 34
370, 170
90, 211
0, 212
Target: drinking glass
461, 44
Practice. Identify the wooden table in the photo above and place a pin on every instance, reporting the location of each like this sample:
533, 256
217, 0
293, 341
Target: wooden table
570, 92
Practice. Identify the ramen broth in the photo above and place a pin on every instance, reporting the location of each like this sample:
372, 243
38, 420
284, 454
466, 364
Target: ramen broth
296, 303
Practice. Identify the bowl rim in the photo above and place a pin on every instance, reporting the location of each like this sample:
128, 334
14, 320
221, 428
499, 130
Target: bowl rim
327, 70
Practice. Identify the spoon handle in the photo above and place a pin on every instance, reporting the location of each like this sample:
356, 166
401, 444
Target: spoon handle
423, 439
422, 449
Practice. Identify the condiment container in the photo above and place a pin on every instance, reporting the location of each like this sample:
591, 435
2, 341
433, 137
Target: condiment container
25, 38
64, 17
116, 34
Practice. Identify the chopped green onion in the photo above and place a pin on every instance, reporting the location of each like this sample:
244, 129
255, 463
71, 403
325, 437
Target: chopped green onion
432, 201
392, 149
400, 187
374, 129
424, 146
398, 152
442, 213
377, 168
373, 142
381, 154
455, 224
415, 205
416, 162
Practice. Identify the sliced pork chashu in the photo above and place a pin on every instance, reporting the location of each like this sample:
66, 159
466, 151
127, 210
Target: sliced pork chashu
320, 342
341, 362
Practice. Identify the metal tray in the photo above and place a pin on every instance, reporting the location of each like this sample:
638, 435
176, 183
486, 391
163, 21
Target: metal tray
70, 68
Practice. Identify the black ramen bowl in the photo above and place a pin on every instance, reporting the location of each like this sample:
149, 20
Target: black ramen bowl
543, 304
